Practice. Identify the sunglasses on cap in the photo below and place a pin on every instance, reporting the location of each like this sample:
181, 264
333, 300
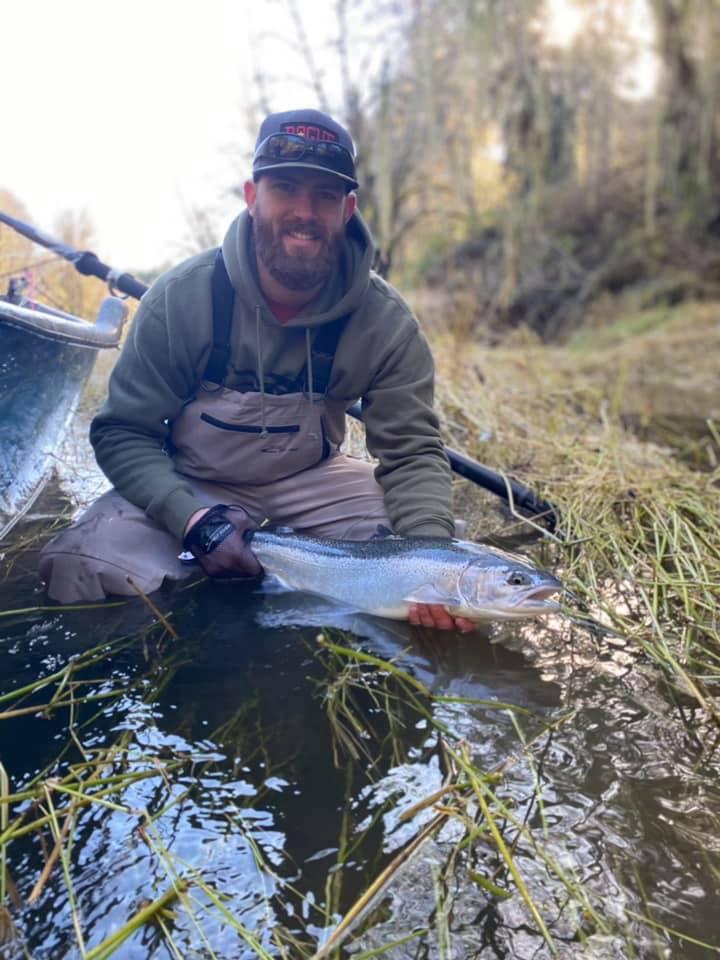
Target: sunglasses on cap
290, 148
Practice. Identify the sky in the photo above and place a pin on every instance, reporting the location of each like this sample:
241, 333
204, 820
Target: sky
138, 111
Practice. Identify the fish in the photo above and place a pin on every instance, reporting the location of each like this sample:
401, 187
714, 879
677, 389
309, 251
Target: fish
385, 576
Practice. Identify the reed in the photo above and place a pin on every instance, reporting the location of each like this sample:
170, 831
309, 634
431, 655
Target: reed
640, 519
474, 799
640, 553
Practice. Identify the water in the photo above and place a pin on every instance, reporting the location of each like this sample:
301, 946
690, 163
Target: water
244, 703
286, 768
275, 773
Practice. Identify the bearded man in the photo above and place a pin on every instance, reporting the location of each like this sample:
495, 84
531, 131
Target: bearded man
227, 404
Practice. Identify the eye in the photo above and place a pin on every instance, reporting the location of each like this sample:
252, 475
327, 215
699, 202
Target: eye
518, 579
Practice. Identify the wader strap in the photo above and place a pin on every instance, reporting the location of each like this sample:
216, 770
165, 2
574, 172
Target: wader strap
223, 299
323, 350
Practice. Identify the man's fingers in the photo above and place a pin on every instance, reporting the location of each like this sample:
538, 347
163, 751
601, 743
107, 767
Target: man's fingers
435, 616
440, 617
432, 615
421, 615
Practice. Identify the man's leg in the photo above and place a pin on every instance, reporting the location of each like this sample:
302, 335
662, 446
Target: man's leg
114, 540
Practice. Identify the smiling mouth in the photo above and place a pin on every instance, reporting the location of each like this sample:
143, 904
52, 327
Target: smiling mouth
303, 236
297, 244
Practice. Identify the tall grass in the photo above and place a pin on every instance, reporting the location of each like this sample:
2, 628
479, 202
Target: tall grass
640, 525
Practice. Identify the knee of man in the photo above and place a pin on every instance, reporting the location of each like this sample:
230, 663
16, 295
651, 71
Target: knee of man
72, 577
93, 559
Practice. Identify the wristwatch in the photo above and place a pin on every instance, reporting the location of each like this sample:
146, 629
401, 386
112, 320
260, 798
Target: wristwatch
209, 532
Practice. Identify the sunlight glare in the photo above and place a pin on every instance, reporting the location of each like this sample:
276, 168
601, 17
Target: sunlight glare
562, 23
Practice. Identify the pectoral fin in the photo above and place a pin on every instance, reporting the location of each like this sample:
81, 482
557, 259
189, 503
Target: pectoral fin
271, 583
430, 593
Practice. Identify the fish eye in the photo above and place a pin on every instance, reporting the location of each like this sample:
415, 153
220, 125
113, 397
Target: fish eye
518, 579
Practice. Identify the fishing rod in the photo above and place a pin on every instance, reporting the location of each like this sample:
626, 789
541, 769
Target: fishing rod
88, 264
84, 261
509, 490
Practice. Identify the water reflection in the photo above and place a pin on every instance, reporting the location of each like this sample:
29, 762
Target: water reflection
617, 810
278, 772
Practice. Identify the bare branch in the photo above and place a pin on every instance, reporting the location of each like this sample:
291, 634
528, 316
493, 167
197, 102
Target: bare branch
307, 54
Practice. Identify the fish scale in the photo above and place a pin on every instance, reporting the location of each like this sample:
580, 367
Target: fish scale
385, 576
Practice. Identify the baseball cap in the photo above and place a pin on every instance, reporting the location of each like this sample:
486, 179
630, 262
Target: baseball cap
305, 138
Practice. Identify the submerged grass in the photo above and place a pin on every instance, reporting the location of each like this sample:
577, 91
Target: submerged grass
356, 684
640, 553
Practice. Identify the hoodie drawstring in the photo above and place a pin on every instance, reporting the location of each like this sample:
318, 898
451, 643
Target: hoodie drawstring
261, 373
308, 351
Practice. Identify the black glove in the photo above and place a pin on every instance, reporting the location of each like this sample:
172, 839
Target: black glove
220, 541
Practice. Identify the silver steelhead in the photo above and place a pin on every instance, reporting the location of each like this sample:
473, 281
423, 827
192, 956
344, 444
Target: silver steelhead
385, 576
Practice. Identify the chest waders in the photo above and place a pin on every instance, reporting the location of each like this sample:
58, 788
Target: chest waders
268, 432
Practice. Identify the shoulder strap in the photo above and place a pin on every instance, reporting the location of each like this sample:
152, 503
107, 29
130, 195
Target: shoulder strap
223, 301
323, 352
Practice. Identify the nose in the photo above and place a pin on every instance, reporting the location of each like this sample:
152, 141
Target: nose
303, 206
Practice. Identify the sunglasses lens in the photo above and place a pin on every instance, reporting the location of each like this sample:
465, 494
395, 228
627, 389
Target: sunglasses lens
333, 156
284, 146
289, 147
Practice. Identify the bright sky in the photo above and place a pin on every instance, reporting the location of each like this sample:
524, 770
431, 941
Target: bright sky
140, 110
135, 111
564, 19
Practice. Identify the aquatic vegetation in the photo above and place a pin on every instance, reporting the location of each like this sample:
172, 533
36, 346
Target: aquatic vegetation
230, 782
640, 523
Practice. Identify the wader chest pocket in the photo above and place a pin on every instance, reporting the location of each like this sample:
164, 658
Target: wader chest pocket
247, 428
229, 436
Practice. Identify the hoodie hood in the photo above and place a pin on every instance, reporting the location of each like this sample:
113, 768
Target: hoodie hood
341, 294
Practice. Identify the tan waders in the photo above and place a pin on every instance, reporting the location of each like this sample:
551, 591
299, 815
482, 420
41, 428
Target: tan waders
276, 456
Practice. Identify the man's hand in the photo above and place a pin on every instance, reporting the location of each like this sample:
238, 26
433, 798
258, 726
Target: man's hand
219, 537
435, 615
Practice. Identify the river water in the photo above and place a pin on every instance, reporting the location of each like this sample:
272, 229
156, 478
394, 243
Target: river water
260, 761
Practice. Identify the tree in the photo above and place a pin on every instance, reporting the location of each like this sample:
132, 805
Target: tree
687, 152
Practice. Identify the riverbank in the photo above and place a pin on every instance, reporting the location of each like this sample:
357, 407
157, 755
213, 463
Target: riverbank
539, 789
620, 428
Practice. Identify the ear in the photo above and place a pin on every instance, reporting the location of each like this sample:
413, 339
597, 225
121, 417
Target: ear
250, 192
350, 204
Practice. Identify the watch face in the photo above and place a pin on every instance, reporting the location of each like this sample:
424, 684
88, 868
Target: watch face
213, 534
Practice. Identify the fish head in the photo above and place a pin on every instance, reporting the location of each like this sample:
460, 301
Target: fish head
506, 589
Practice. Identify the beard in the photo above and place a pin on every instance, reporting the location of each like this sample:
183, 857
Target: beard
301, 270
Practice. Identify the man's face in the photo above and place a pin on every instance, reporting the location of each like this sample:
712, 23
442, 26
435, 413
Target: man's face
299, 219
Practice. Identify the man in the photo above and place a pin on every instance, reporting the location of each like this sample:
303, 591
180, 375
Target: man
227, 405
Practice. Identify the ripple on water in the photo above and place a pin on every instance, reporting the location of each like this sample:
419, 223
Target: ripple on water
619, 801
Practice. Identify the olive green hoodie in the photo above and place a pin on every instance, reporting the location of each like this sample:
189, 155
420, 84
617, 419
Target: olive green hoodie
382, 357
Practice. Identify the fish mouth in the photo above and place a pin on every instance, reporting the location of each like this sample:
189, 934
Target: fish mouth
543, 593
540, 598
